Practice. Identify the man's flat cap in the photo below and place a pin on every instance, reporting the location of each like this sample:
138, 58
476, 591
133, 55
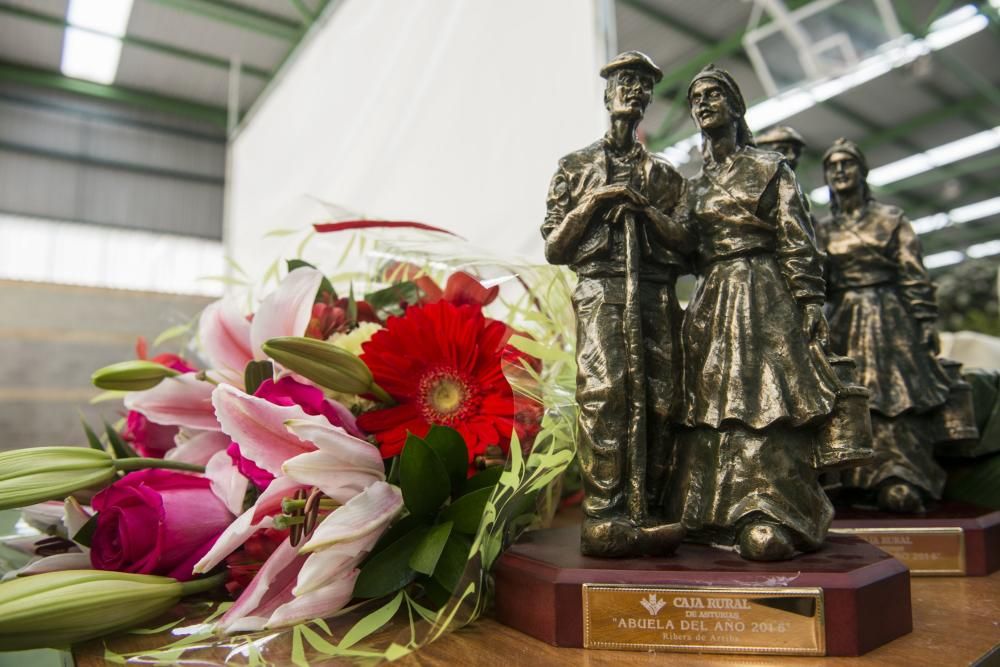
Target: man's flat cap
778, 134
632, 60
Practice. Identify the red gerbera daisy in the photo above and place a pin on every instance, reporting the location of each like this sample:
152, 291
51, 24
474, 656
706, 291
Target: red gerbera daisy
441, 364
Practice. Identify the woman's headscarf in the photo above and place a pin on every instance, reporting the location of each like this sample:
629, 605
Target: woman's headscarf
744, 137
843, 145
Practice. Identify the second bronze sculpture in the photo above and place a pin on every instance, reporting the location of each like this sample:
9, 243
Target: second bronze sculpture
715, 426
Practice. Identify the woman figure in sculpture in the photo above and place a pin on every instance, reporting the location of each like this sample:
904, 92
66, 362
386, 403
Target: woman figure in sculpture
882, 314
742, 472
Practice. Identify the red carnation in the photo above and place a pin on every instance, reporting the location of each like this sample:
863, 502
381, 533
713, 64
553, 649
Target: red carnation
440, 362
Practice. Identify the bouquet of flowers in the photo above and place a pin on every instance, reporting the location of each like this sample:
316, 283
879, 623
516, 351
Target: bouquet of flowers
337, 464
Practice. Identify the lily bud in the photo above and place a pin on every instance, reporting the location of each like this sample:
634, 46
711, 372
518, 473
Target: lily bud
57, 609
37, 474
326, 365
135, 375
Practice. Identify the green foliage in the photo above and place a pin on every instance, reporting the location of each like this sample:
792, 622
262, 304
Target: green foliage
423, 478
389, 570
121, 449
255, 374
324, 286
444, 510
389, 298
448, 444
467, 511
976, 481
425, 556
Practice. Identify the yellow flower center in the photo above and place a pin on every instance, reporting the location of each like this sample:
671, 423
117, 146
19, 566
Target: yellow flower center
447, 397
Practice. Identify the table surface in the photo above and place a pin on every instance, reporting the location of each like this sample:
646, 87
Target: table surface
956, 621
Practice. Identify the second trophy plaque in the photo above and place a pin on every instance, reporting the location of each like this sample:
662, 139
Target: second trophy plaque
847, 598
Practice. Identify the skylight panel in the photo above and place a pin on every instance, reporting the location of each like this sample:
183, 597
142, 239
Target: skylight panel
954, 26
92, 43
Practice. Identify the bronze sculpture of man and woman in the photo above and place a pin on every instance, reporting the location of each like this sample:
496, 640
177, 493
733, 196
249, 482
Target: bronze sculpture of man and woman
714, 424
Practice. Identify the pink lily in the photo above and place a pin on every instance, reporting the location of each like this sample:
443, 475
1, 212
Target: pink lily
183, 400
68, 518
229, 339
224, 334
292, 587
286, 311
197, 447
300, 450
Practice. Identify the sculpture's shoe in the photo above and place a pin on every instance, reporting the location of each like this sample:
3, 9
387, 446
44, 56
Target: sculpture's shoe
618, 537
900, 497
765, 541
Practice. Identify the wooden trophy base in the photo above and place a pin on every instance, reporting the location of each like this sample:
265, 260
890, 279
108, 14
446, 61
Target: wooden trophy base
845, 599
950, 539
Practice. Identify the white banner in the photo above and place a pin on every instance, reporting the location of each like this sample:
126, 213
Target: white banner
449, 112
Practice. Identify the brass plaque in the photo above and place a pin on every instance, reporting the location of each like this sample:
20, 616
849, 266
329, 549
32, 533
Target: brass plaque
704, 619
926, 551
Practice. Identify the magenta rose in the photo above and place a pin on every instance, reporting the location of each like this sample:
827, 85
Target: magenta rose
287, 392
148, 438
156, 522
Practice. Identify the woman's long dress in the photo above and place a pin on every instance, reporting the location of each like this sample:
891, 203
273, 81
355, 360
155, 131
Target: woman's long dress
754, 388
878, 294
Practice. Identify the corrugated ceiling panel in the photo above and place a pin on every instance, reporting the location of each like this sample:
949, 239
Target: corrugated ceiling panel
154, 149
65, 190
202, 34
167, 75
30, 43
281, 8
50, 7
147, 202
38, 186
107, 140
39, 127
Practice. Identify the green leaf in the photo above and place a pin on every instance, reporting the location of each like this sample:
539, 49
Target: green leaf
110, 395
121, 448
324, 286
92, 439
255, 373
467, 511
281, 232
485, 478
422, 478
389, 570
171, 333
86, 532
975, 481
426, 556
393, 295
453, 560
352, 307
397, 530
449, 445
436, 594
371, 623
393, 476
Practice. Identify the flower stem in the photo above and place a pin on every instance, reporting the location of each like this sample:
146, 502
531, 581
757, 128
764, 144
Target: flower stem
284, 521
202, 584
139, 463
289, 505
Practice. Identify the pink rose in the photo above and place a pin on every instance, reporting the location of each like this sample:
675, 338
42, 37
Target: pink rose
156, 522
148, 438
288, 392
